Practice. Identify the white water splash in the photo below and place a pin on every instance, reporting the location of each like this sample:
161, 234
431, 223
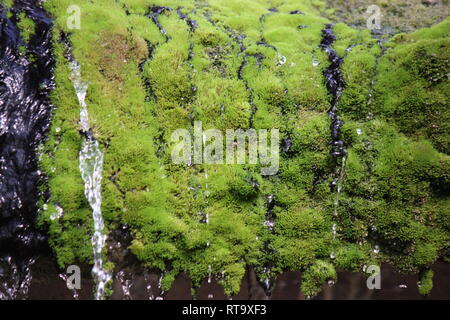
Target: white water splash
91, 166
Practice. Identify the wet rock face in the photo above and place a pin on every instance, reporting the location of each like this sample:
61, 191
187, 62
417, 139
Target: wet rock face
25, 82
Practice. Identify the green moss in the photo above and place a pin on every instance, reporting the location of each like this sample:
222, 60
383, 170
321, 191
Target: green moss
350, 257
143, 85
315, 276
426, 282
412, 90
8, 3
26, 26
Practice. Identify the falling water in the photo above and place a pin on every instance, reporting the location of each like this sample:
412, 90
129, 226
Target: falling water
91, 165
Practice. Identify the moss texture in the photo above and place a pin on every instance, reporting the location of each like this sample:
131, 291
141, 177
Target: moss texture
244, 66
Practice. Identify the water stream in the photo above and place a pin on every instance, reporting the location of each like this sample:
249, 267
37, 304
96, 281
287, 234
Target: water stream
91, 165
335, 84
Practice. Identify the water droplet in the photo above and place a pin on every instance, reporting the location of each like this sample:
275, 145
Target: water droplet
281, 59
376, 249
359, 131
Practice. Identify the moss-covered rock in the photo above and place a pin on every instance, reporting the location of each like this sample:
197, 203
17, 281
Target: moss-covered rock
244, 66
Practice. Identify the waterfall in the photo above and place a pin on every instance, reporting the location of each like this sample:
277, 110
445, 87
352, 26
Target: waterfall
91, 165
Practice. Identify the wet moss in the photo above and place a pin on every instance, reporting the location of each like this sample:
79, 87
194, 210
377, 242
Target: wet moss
314, 277
412, 90
244, 66
26, 26
426, 282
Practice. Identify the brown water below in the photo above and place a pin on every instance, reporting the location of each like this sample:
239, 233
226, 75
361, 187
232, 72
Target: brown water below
47, 285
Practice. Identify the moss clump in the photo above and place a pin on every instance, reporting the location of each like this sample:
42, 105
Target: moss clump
412, 90
315, 276
426, 282
26, 26
350, 257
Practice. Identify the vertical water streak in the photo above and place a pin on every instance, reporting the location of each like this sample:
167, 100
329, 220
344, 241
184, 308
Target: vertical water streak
91, 166
335, 84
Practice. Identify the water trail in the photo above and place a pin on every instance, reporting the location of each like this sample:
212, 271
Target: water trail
267, 278
335, 85
26, 79
91, 165
154, 14
148, 286
125, 284
210, 296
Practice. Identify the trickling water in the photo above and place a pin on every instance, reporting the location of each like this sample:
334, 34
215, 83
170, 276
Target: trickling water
154, 14
91, 165
335, 85
148, 286
209, 273
125, 284
160, 297
269, 223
